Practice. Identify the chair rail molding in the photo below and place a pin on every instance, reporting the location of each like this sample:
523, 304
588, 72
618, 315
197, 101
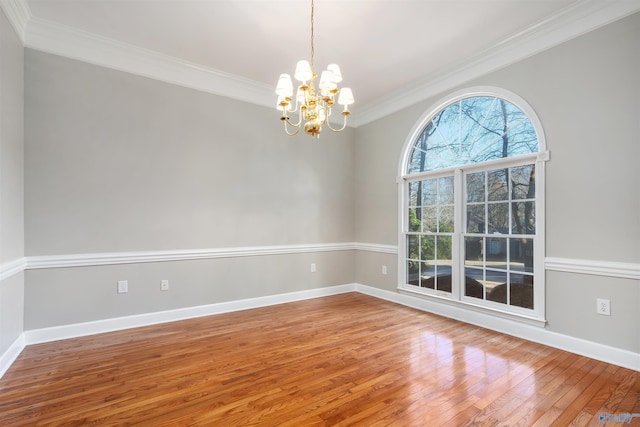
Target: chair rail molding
13, 267
625, 270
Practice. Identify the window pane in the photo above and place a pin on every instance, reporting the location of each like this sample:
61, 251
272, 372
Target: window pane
413, 270
473, 130
412, 167
413, 193
413, 247
445, 190
523, 182
414, 219
521, 254
421, 143
418, 155
449, 129
444, 250
521, 290
498, 189
427, 249
427, 275
443, 279
523, 217
475, 219
445, 219
429, 219
521, 134
429, 192
475, 187
496, 252
496, 282
473, 286
473, 247
444, 257
498, 218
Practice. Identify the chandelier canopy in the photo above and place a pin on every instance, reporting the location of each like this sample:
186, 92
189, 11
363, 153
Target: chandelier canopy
313, 105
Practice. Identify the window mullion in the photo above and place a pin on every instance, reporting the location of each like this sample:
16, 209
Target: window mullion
455, 145
457, 255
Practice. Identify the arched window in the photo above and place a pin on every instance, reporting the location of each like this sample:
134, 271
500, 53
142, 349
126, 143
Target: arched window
472, 203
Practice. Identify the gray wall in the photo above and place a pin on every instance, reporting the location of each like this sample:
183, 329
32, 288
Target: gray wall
586, 93
62, 296
119, 163
116, 162
11, 181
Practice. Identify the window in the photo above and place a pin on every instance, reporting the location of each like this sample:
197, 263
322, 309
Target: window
472, 204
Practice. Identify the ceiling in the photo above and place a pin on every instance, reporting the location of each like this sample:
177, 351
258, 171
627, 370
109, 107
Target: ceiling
397, 51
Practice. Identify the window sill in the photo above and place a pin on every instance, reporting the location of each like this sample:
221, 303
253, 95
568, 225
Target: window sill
446, 301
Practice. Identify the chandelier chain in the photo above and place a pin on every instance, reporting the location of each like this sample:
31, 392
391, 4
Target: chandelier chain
313, 51
314, 104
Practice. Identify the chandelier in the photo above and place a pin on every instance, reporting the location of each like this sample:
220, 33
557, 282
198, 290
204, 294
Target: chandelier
313, 105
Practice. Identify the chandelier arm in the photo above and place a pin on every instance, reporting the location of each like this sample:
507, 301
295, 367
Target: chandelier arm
294, 110
286, 129
344, 125
296, 125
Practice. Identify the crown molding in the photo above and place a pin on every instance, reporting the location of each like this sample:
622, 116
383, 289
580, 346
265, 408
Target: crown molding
575, 20
76, 44
18, 14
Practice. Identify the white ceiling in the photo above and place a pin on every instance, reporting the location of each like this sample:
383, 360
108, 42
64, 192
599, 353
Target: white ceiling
392, 50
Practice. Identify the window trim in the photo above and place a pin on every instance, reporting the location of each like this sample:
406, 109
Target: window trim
537, 315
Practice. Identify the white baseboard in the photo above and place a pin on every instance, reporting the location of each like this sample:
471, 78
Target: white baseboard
12, 353
605, 353
620, 357
37, 336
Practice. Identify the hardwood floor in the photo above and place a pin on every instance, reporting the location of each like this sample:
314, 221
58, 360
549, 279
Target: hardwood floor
341, 360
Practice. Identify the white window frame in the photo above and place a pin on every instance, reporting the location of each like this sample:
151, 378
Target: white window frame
539, 159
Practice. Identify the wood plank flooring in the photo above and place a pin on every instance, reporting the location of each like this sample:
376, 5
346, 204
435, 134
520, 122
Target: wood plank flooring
348, 359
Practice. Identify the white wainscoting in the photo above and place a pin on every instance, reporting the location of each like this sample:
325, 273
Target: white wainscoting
575, 345
586, 348
55, 333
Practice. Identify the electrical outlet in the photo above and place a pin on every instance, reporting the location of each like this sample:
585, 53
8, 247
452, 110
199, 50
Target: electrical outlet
384, 269
164, 285
123, 286
313, 268
603, 306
